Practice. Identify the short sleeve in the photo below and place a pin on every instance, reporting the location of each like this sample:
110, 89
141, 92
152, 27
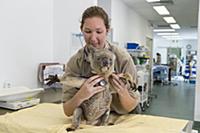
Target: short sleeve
72, 69
68, 93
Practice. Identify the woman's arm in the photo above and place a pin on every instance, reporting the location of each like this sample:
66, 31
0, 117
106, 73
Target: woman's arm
127, 101
87, 90
70, 105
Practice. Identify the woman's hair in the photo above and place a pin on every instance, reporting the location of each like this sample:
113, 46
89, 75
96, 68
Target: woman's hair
95, 11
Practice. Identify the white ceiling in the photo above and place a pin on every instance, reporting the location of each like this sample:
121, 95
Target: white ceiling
185, 13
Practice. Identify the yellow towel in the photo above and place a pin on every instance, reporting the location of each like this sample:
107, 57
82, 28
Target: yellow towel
50, 118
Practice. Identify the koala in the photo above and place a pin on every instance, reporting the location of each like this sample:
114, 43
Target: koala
96, 110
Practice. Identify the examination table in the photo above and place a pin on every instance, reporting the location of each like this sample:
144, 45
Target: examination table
50, 118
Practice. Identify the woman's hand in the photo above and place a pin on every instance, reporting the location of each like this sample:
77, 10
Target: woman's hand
127, 101
119, 85
88, 89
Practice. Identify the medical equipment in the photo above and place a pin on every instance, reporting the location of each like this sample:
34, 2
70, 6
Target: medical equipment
52, 92
19, 97
143, 87
160, 73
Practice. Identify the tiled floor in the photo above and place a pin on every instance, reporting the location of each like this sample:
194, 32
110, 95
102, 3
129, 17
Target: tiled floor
173, 101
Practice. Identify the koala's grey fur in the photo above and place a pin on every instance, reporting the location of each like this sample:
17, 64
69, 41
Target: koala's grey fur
95, 110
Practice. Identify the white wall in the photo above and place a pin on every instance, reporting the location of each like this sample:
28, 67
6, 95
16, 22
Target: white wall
35, 31
25, 39
197, 88
106, 4
67, 16
128, 26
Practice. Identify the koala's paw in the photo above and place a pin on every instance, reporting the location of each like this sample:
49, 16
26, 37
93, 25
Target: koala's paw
127, 79
70, 129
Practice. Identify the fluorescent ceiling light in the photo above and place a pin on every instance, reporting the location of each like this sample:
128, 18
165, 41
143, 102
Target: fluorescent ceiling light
167, 34
175, 26
152, 0
169, 20
162, 10
174, 38
171, 36
164, 30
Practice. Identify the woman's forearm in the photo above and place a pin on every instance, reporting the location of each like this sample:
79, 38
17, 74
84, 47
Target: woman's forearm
128, 102
70, 105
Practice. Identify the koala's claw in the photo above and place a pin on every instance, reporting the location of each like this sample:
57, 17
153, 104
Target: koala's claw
70, 129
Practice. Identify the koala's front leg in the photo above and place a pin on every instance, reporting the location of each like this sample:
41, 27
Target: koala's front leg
104, 118
76, 120
73, 81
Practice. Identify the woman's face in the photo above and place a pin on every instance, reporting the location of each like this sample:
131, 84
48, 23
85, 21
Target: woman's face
95, 32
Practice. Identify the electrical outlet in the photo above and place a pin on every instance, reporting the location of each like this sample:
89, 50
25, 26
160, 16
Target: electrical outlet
6, 84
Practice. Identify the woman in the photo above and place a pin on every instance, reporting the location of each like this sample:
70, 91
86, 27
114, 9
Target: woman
95, 27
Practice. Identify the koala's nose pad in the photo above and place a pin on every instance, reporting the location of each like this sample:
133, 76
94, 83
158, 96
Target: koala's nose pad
105, 62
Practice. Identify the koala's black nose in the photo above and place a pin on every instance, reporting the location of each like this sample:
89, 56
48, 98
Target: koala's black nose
105, 62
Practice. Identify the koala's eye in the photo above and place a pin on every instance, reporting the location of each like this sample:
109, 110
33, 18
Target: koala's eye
98, 58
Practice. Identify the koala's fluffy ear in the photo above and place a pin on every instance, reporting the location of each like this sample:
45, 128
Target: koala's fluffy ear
89, 49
